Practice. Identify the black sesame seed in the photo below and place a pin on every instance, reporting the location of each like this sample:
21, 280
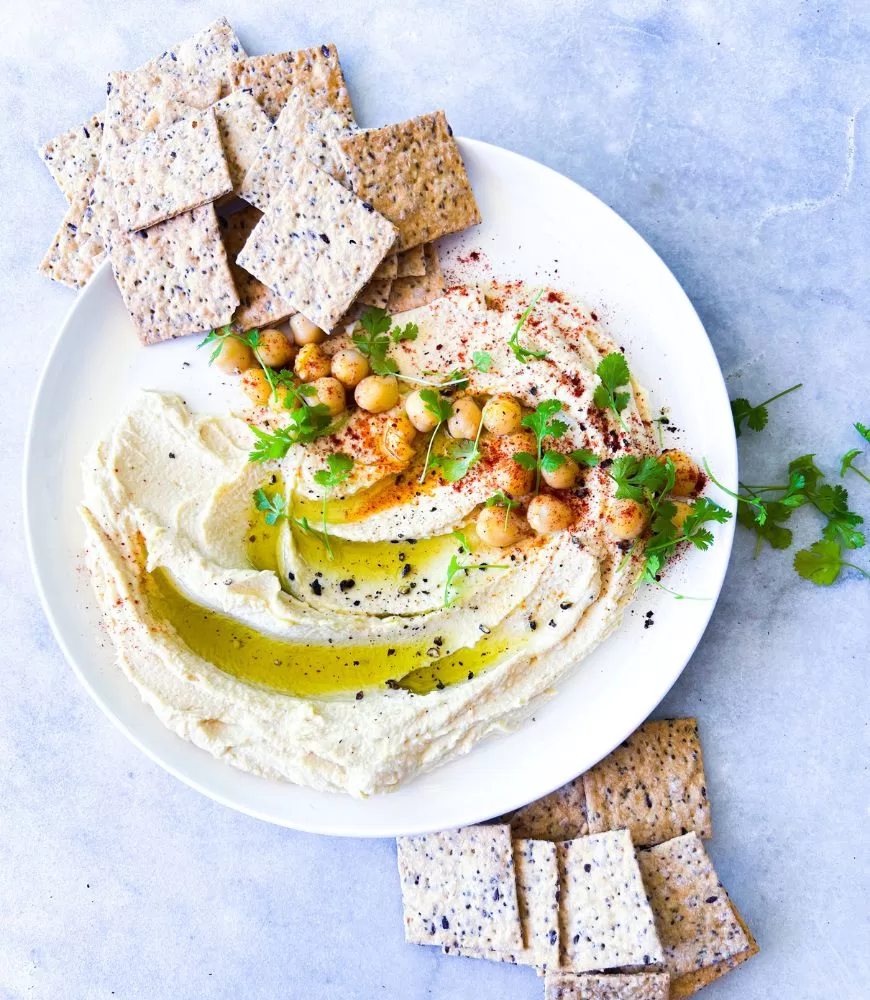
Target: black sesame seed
711, 899
316, 588
345, 585
445, 923
566, 604
324, 237
533, 625
587, 868
359, 696
172, 454
325, 50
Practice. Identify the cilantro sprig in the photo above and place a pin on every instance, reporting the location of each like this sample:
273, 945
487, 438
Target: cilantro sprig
525, 354
274, 505
375, 335
502, 499
441, 409
338, 468
542, 422
614, 374
482, 361
252, 339
306, 423
756, 416
458, 459
457, 566
822, 562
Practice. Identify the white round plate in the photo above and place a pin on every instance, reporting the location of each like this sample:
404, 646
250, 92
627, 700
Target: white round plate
538, 226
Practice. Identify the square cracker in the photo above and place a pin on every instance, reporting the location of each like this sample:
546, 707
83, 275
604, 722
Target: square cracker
258, 304
537, 870
606, 920
387, 269
459, 888
271, 78
169, 171
602, 986
414, 175
305, 128
702, 933
413, 292
653, 784
411, 263
561, 815
73, 156
75, 251
207, 57
174, 277
243, 127
317, 246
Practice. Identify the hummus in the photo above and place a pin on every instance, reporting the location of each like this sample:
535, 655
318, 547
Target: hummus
354, 674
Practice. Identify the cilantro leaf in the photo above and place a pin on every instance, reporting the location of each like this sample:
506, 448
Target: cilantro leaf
502, 499
524, 354
525, 459
455, 567
822, 562
275, 506
640, 478
582, 456
460, 456
338, 468
864, 431
542, 423
552, 460
408, 332
482, 361
755, 417
441, 409
848, 461
270, 446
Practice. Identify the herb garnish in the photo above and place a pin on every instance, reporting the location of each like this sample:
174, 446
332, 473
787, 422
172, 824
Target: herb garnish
441, 409
613, 372
864, 431
482, 361
501, 499
821, 563
524, 354
275, 506
336, 473
542, 423
376, 339
755, 416
460, 457
455, 567
847, 462
306, 424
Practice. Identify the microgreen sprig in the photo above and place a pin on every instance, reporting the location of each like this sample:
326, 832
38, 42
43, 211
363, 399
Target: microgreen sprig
441, 409
613, 372
755, 416
274, 505
338, 469
542, 423
455, 567
524, 354
501, 499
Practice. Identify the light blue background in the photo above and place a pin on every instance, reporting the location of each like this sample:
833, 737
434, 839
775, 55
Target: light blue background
735, 137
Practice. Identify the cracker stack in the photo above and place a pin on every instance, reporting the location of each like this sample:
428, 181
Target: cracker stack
604, 885
341, 219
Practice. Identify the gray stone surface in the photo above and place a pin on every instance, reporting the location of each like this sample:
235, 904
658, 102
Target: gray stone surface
736, 138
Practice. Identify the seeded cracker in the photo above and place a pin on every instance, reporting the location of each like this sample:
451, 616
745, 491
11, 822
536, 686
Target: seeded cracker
318, 245
170, 171
174, 277
606, 921
73, 156
305, 128
413, 174
600, 986
258, 305
243, 126
459, 887
387, 269
411, 293
271, 78
653, 784
537, 872
206, 57
702, 933
75, 251
411, 263
561, 815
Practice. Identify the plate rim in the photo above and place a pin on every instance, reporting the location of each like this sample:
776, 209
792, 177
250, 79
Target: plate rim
724, 542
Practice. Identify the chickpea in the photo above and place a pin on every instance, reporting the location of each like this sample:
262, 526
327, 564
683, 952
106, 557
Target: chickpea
421, 417
683, 511
330, 392
256, 386
502, 415
688, 476
496, 528
234, 357
564, 477
377, 393
626, 519
304, 331
349, 367
311, 363
464, 422
547, 515
399, 435
512, 477
275, 349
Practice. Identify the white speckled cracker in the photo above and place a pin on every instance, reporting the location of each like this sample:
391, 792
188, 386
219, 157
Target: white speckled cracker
653, 784
243, 127
459, 887
414, 175
411, 263
206, 57
606, 920
413, 292
73, 156
537, 871
271, 78
317, 246
75, 251
305, 128
561, 815
174, 277
169, 171
702, 933
602, 986
258, 304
